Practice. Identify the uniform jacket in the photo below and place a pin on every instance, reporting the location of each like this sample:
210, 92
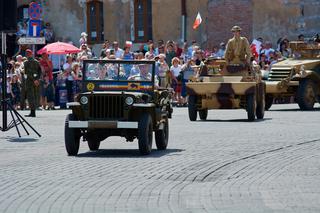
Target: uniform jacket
238, 51
32, 70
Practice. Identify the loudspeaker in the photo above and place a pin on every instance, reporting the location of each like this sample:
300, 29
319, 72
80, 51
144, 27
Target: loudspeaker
8, 16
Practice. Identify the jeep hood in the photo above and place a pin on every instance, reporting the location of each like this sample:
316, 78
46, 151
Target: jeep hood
114, 93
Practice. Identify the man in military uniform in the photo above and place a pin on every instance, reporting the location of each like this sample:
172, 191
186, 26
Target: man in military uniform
238, 49
32, 71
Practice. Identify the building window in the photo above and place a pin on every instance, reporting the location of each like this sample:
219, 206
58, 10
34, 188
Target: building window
23, 13
95, 21
143, 20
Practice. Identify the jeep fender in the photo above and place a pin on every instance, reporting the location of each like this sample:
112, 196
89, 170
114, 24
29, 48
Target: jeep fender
308, 74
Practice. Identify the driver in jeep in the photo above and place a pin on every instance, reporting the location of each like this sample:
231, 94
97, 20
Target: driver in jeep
144, 75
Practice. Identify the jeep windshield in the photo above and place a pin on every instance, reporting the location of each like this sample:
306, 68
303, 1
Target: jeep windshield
118, 74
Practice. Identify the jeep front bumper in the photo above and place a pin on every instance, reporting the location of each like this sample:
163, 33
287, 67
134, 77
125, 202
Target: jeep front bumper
103, 124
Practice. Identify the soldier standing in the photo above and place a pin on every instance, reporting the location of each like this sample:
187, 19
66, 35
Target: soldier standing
32, 71
238, 49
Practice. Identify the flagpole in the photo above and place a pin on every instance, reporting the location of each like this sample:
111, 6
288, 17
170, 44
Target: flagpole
200, 36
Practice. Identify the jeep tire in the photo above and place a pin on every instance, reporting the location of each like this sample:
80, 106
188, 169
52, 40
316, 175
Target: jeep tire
269, 102
71, 137
145, 130
260, 101
306, 95
192, 107
93, 144
251, 107
203, 114
162, 136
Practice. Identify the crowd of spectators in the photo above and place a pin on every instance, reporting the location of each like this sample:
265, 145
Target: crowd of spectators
176, 63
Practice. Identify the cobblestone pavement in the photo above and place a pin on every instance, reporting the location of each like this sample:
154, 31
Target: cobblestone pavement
222, 165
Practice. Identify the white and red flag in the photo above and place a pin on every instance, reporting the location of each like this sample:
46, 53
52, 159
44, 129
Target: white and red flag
197, 22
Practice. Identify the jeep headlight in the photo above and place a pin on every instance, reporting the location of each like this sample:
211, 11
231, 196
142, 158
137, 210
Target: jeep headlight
84, 100
129, 101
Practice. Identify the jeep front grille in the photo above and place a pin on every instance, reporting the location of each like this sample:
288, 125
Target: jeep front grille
278, 74
106, 107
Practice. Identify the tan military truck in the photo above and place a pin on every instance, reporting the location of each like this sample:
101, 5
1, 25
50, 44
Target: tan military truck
298, 76
219, 86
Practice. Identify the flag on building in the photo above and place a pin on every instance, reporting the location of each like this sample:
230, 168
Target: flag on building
197, 22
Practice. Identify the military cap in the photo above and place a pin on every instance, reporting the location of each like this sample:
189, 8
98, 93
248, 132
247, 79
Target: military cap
236, 28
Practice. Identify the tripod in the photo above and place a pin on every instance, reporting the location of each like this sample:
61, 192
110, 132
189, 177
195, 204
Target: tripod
17, 119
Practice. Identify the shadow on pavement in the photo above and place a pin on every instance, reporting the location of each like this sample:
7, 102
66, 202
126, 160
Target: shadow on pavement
21, 140
235, 120
293, 110
131, 153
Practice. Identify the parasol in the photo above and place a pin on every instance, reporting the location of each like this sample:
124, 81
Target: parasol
59, 48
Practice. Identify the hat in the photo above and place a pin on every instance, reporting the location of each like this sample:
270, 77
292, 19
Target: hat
84, 34
222, 44
161, 55
236, 28
29, 51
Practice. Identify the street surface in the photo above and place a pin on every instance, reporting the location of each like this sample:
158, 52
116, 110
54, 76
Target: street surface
225, 164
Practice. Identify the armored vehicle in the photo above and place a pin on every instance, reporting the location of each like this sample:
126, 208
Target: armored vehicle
298, 76
219, 86
119, 98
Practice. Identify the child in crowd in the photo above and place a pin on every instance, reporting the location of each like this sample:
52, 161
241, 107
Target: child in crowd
177, 79
15, 91
77, 76
263, 62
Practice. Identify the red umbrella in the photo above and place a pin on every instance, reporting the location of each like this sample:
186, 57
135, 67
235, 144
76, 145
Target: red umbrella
59, 48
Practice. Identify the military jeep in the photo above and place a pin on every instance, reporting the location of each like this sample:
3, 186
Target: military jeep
298, 76
119, 98
219, 86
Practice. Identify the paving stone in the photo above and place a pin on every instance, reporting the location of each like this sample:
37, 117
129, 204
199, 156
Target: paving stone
224, 164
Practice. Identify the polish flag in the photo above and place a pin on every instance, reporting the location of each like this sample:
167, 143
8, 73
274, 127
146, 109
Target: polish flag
197, 22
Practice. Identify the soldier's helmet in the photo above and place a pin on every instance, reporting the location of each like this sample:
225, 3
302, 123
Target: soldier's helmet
236, 28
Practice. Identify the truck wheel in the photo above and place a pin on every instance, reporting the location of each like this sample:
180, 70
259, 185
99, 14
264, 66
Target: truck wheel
192, 107
93, 144
260, 104
162, 136
251, 107
306, 96
269, 102
71, 137
145, 134
203, 114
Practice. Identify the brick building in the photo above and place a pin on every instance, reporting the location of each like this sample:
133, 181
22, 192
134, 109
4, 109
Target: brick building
140, 20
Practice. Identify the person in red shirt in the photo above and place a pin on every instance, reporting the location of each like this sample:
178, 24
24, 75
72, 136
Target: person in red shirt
178, 49
46, 73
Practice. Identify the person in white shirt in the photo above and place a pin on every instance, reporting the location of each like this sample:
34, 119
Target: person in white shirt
83, 38
268, 50
118, 52
177, 80
222, 49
